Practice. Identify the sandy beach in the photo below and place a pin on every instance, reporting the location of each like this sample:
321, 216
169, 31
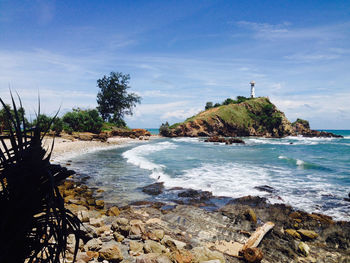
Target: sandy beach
65, 148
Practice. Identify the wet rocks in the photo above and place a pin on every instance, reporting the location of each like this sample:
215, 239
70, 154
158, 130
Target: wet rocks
307, 234
154, 189
224, 140
194, 194
304, 249
265, 188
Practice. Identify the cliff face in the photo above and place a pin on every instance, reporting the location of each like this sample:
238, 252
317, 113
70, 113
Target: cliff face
254, 117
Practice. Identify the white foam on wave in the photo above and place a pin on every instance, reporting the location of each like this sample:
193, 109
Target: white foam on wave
233, 180
186, 139
346, 137
137, 156
300, 162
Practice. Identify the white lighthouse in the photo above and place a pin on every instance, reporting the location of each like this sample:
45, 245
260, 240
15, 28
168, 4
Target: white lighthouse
252, 89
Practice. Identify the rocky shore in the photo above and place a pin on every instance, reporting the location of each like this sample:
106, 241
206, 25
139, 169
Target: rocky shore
158, 232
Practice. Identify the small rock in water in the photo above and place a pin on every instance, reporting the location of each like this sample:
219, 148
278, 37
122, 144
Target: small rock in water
153, 189
265, 188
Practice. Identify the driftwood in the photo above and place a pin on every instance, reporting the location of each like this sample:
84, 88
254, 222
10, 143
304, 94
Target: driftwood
258, 235
249, 250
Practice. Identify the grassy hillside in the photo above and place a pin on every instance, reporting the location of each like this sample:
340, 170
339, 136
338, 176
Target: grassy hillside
253, 117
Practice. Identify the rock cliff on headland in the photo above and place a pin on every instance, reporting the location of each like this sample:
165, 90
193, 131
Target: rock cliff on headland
253, 117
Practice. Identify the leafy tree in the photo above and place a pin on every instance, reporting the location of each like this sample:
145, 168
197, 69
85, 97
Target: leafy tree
113, 100
240, 99
209, 105
228, 101
57, 126
164, 129
5, 123
82, 121
44, 121
217, 104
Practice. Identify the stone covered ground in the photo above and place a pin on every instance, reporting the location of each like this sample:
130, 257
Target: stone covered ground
148, 232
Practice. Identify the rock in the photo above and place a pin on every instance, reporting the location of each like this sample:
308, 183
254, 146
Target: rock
92, 254
118, 237
234, 140
204, 254
156, 234
82, 257
100, 204
265, 188
121, 221
113, 211
96, 222
110, 252
293, 233
173, 244
136, 248
194, 194
137, 227
307, 234
183, 256
154, 247
153, 189
250, 215
89, 231
153, 258
304, 249
83, 216
93, 245
253, 255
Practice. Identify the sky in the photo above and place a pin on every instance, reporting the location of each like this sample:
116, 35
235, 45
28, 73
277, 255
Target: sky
180, 54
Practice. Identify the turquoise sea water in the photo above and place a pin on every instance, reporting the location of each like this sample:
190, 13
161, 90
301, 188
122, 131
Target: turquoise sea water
312, 174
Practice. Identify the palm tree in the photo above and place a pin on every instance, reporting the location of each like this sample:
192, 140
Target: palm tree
34, 224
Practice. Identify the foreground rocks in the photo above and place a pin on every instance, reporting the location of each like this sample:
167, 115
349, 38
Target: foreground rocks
186, 233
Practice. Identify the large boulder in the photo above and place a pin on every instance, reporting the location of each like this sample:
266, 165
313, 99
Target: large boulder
110, 252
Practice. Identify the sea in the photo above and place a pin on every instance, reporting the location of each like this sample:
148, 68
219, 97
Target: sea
310, 174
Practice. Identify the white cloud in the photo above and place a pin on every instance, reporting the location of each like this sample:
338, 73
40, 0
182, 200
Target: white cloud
180, 114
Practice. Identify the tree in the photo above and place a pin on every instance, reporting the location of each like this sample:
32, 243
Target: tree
5, 124
164, 129
82, 121
44, 121
113, 100
228, 101
209, 105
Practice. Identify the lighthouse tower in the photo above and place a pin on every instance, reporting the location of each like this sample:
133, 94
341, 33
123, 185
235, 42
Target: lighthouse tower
252, 89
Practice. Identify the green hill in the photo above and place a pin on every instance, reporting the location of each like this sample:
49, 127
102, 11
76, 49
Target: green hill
254, 117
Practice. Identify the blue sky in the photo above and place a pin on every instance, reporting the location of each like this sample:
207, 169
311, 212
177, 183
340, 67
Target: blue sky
180, 54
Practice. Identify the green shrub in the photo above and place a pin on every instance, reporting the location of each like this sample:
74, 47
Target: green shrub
83, 121
164, 129
57, 126
43, 121
208, 105
229, 101
305, 123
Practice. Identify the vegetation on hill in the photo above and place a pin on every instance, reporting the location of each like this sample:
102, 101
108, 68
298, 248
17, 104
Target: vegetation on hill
240, 117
